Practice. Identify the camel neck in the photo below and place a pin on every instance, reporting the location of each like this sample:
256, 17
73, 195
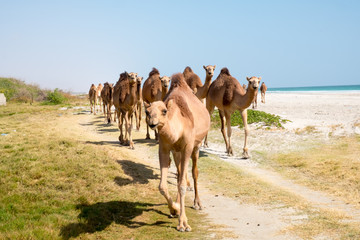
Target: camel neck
244, 101
164, 91
202, 91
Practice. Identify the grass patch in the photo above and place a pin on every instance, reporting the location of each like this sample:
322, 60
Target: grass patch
333, 168
254, 116
54, 185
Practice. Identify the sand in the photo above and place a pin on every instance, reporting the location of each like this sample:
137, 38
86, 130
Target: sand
337, 112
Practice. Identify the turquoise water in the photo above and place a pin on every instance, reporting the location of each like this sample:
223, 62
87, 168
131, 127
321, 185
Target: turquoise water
316, 88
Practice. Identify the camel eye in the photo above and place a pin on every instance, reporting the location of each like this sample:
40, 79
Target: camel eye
147, 113
164, 112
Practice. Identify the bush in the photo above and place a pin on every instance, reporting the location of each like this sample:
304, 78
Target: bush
254, 116
55, 97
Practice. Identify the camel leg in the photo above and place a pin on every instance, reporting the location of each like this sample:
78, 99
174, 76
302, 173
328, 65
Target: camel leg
104, 109
222, 118
195, 174
210, 109
177, 156
108, 113
139, 116
185, 155
130, 126
228, 124
120, 118
126, 117
164, 159
246, 128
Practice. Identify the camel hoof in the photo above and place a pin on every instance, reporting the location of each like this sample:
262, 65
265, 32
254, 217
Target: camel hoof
190, 189
197, 207
246, 155
147, 137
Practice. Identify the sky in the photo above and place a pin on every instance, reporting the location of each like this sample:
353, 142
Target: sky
72, 44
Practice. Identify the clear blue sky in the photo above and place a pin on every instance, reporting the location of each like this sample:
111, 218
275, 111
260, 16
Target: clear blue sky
71, 44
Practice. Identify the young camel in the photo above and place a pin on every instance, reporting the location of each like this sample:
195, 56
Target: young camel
195, 83
154, 89
227, 95
92, 98
107, 96
125, 101
139, 102
263, 89
98, 95
182, 121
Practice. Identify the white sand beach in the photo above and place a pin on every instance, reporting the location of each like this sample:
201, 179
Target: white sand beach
336, 112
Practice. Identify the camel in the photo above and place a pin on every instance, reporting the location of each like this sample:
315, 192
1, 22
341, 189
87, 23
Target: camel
227, 95
263, 89
125, 101
107, 96
244, 86
92, 98
195, 83
254, 101
139, 102
98, 94
182, 122
154, 89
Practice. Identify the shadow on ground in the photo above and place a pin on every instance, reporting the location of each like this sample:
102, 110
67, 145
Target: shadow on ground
96, 217
139, 173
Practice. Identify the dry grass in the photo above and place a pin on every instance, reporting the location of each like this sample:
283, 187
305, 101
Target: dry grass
227, 180
54, 185
333, 168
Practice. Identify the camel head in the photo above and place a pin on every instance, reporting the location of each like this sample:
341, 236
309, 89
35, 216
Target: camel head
165, 81
209, 70
156, 114
132, 77
139, 79
254, 82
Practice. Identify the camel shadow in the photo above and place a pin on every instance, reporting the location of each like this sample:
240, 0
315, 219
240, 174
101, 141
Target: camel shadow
139, 173
148, 142
96, 217
112, 143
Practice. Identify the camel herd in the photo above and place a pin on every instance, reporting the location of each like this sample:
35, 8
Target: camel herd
178, 117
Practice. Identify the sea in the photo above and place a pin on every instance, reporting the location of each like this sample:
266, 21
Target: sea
339, 88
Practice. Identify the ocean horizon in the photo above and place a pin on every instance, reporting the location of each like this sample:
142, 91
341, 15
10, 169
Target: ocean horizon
316, 88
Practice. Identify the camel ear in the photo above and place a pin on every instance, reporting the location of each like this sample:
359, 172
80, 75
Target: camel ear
147, 105
126, 73
247, 78
259, 78
204, 67
214, 66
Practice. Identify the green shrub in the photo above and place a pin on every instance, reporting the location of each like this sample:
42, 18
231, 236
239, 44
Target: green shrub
55, 97
254, 116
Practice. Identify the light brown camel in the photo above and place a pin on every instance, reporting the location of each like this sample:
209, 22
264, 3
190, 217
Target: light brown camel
254, 101
227, 95
244, 86
182, 121
154, 89
263, 89
195, 83
125, 101
107, 96
139, 102
98, 95
92, 98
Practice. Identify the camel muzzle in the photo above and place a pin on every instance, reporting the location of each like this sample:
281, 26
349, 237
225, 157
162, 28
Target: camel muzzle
153, 126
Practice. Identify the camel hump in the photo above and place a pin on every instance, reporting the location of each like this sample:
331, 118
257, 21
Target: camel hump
153, 72
123, 86
178, 80
225, 71
188, 69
